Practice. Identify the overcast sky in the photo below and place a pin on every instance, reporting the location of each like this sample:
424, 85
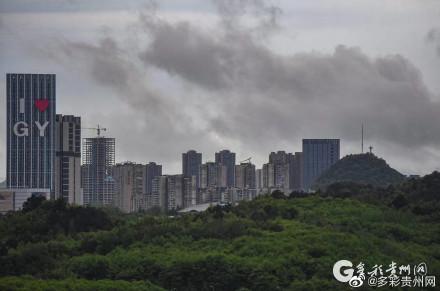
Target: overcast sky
252, 76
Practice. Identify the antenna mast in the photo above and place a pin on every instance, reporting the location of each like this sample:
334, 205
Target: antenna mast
362, 139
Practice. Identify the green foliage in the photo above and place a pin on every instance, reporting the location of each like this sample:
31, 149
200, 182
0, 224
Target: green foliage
418, 195
274, 242
90, 266
44, 220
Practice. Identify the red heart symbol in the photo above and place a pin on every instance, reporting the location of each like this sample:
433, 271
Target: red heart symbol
42, 104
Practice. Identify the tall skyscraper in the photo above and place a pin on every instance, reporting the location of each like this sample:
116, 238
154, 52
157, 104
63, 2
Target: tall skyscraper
189, 191
298, 172
227, 158
282, 169
318, 156
68, 159
213, 175
98, 162
245, 176
259, 178
30, 123
191, 162
173, 192
278, 173
268, 176
152, 170
175, 189
159, 192
129, 193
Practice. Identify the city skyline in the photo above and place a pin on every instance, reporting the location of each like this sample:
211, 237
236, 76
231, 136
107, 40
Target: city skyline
283, 81
219, 144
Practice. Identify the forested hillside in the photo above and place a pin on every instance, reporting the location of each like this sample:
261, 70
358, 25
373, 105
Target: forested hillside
366, 169
271, 243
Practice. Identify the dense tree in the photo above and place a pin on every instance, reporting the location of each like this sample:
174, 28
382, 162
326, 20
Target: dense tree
33, 202
270, 243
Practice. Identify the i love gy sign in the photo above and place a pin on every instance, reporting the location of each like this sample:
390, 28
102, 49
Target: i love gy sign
21, 128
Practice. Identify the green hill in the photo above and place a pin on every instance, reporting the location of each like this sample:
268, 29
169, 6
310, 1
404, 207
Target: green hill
270, 243
364, 169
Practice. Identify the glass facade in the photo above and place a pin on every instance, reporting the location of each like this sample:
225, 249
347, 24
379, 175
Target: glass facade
318, 156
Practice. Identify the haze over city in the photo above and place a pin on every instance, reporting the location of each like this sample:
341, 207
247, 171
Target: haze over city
250, 76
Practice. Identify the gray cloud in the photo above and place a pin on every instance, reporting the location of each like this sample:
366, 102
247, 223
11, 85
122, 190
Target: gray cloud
433, 37
265, 14
18, 6
300, 93
252, 96
155, 122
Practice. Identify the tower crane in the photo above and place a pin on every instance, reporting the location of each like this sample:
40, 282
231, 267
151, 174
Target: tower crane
248, 160
98, 129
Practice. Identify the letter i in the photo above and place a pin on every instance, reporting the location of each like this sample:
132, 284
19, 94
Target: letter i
21, 105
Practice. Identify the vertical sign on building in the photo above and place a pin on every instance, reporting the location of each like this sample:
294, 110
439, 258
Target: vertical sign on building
31, 107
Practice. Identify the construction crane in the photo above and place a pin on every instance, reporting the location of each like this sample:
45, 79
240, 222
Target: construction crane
98, 129
248, 160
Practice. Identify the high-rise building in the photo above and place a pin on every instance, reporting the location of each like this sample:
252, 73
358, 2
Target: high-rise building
268, 176
30, 123
227, 158
245, 176
152, 170
298, 172
98, 162
279, 172
175, 189
259, 178
283, 169
189, 191
173, 192
191, 162
68, 159
213, 175
159, 192
318, 156
129, 181
234, 195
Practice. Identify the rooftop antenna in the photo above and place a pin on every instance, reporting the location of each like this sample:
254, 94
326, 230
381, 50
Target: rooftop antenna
362, 139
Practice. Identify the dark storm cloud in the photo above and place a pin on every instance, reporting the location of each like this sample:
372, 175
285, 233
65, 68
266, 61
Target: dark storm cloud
297, 94
109, 65
156, 121
205, 59
433, 37
261, 98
